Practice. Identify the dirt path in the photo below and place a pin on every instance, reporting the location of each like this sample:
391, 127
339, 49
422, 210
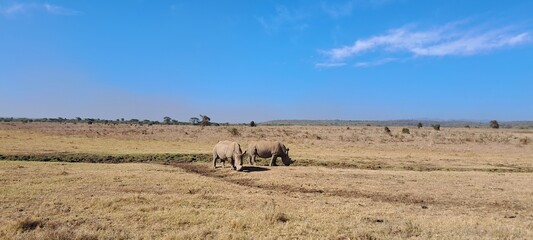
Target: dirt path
388, 190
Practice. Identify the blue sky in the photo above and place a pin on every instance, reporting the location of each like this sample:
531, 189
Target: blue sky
238, 61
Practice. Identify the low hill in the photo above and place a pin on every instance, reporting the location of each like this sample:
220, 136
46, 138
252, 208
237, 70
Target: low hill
445, 123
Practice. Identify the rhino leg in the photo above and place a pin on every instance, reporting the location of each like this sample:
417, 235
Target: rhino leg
273, 161
232, 161
223, 162
252, 159
215, 156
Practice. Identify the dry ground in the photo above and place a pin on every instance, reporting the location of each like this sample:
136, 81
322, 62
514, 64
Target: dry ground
461, 198
448, 149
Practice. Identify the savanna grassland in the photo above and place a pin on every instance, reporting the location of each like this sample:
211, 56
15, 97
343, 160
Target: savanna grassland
347, 183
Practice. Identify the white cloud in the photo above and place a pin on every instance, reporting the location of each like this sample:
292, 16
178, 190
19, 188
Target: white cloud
447, 40
471, 45
27, 8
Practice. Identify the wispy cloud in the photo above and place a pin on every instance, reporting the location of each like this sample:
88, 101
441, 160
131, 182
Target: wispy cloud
282, 16
337, 11
28, 8
454, 39
376, 62
330, 64
346, 8
58, 10
12, 9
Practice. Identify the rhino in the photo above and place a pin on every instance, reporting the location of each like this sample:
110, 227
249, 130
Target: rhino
228, 150
266, 149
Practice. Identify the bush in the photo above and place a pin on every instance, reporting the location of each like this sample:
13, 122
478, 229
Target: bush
234, 132
419, 125
29, 224
436, 126
494, 124
252, 124
405, 130
387, 130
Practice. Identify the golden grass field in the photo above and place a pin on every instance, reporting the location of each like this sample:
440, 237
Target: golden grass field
347, 183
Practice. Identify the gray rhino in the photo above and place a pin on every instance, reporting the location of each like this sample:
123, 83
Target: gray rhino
266, 149
228, 150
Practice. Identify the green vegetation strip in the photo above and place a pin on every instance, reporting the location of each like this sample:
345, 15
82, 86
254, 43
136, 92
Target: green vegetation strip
419, 167
174, 158
97, 158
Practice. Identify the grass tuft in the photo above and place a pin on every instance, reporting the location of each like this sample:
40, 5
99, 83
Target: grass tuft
282, 217
27, 225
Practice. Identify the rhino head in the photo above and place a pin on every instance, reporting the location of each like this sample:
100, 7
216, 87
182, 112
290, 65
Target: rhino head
286, 159
238, 160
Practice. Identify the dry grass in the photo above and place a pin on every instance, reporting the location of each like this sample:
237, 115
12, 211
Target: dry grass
191, 201
122, 201
361, 147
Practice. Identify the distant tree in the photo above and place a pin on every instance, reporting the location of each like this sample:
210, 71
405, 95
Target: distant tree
205, 120
252, 124
194, 120
167, 120
436, 126
494, 124
419, 125
78, 119
467, 126
405, 130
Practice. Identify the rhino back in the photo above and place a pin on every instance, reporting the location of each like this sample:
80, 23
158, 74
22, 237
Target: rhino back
267, 149
226, 149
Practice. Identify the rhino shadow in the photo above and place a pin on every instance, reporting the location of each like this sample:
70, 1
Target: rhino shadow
253, 169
